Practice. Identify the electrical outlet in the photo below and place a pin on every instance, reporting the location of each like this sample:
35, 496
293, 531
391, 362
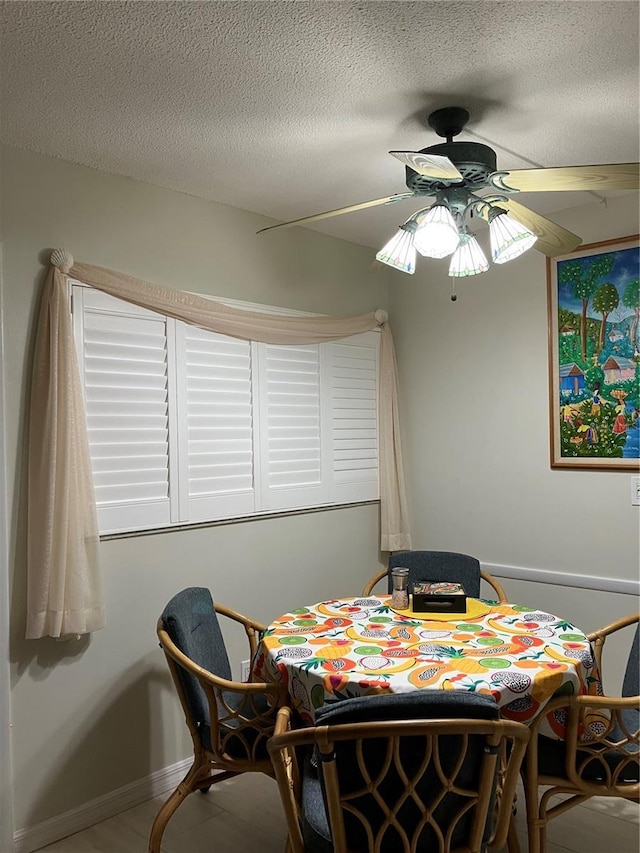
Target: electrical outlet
635, 491
245, 670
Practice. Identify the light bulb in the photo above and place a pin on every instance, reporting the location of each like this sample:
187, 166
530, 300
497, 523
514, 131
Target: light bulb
468, 258
437, 235
509, 238
400, 252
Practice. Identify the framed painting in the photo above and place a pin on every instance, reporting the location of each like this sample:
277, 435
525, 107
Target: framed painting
594, 353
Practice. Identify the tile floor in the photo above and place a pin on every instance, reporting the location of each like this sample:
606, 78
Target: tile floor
243, 815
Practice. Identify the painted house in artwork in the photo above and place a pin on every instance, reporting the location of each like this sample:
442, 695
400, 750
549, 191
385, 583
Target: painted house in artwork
567, 330
617, 369
571, 379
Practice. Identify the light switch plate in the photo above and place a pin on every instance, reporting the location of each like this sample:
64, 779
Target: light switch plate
635, 491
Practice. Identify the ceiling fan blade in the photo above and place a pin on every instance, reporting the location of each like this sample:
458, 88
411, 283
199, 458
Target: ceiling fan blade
430, 165
616, 176
552, 239
339, 211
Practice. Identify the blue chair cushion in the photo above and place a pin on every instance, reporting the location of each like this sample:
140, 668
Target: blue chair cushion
630, 684
191, 622
439, 566
425, 704
415, 705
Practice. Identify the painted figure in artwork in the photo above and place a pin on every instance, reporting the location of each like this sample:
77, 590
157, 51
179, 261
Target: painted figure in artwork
620, 423
587, 432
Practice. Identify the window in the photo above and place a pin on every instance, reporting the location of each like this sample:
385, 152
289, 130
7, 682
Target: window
188, 426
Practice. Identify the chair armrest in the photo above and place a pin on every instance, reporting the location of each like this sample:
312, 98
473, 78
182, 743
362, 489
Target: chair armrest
216, 681
373, 581
252, 628
283, 721
238, 617
614, 626
497, 586
599, 636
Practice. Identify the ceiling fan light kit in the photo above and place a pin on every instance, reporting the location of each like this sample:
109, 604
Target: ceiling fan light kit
437, 234
468, 258
454, 173
400, 251
509, 238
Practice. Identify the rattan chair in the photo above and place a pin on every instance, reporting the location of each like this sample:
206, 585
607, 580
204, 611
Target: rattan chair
605, 765
229, 721
439, 566
423, 772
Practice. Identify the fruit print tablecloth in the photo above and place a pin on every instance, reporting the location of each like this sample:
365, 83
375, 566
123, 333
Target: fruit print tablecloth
356, 646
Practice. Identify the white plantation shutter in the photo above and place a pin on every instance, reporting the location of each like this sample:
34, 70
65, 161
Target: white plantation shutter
353, 396
291, 459
123, 359
215, 425
189, 426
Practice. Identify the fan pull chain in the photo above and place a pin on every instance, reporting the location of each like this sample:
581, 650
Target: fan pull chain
454, 295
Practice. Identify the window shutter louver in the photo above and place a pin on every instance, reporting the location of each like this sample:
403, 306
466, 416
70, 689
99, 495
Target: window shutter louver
290, 427
353, 367
124, 368
215, 423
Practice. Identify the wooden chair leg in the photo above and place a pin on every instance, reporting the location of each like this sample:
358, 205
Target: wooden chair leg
513, 842
186, 787
535, 827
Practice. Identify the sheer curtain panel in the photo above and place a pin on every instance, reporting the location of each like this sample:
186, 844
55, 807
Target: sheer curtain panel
64, 587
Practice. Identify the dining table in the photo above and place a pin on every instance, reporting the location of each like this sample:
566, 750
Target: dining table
357, 646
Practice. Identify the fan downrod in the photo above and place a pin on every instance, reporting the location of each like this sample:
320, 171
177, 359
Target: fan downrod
449, 121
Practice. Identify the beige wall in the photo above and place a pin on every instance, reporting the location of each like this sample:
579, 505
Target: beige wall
92, 716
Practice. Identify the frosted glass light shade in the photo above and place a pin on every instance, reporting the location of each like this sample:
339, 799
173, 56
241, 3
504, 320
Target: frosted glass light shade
509, 238
468, 258
437, 235
400, 252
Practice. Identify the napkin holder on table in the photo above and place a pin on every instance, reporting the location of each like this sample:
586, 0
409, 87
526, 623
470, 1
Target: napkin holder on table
438, 597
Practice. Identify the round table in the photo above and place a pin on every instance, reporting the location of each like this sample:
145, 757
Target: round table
348, 647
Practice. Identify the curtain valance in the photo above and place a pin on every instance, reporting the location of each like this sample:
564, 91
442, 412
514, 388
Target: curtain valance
64, 584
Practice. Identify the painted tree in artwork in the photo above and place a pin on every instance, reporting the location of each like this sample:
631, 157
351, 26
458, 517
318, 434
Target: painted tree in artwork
631, 299
605, 301
583, 279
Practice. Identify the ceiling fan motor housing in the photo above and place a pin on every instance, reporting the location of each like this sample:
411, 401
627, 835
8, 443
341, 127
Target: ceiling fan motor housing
474, 161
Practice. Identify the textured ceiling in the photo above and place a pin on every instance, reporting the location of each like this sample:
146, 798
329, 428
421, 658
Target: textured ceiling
290, 108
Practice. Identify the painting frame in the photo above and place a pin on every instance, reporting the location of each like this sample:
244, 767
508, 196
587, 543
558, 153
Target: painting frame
594, 372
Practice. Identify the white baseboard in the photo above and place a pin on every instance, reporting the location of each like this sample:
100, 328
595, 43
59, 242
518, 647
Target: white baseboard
33, 837
591, 582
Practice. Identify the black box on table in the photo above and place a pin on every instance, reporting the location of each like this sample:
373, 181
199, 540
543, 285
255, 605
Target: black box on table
438, 597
